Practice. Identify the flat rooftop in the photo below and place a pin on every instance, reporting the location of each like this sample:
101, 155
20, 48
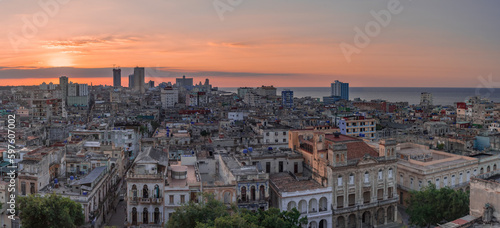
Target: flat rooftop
418, 157
285, 182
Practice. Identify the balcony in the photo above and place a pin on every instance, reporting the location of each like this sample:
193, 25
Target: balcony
146, 176
133, 200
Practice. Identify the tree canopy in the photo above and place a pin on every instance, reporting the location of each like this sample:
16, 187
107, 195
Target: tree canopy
212, 213
431, 206
50, 211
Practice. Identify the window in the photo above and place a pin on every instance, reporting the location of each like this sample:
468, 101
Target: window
411, 183
183, 199
367, 177
389, 174
419, 184
380, 176
280, 167
461, 178
401, 179
453, 180
475, 172
339, 181
437, 183
275, 133
171, 199
445, 181
284, 140
351, 179
284, 133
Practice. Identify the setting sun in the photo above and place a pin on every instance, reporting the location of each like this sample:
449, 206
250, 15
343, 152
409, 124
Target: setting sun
60, 60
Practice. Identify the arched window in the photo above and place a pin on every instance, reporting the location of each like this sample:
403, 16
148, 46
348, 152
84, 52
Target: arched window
134, 191
145, 192
252, 193
495, 167
351, 178
488, 169
339, 180
145, 216
313, 205
157, 216
367, 177
157, 191
389, 173
227, 197
134, 216
244, 194
262, 192
323, 204
481, 171
380, 175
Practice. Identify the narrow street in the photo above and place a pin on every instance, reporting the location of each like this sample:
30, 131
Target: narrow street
118, 217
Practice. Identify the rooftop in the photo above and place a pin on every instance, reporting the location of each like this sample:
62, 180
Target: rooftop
285, 182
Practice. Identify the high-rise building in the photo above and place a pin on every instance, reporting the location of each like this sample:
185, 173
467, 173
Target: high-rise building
72, 89
287, 98
266, 91
52, 86
117, 77
131, 81
139, 79
151, 84
83, 90
426, 99
242, 91
63, 83
184, 82
169, 97
340, 89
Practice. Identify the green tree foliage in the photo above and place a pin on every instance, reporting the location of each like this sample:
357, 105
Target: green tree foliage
192, 213
50, 211
204, 133
214, 214
431, 206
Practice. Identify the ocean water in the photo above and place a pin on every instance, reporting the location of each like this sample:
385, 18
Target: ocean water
442, 96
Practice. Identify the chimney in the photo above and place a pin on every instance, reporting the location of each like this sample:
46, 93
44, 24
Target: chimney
336, 134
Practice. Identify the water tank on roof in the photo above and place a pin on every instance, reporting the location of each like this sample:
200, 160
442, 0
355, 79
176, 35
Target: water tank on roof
250, 149
84, 193
269, 148
55, 181
71, 177
245, 151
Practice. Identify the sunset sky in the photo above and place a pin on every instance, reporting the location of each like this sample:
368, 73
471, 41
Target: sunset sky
292, 43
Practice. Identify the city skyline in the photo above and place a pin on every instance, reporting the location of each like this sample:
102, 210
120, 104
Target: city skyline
452, 46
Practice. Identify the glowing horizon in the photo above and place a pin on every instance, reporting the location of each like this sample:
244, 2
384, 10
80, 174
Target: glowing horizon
454, 45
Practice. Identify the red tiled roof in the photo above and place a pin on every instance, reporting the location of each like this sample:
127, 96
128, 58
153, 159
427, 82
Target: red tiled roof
341, 138
358, 149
